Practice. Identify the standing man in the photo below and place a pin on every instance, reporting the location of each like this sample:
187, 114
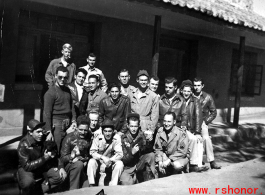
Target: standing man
145, 103
208, 113
76, 88
124, 79
153, 85
33, 160
75, 152
107, 153
59, 112
92, 95
172, 102
171, 147
64, 61
138, 156
115, 107
194, 123
92, 70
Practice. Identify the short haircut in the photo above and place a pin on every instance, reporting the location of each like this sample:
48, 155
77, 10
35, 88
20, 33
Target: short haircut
171, 80
93, 111
172, 114
81, 70
93, 76
62, 69
133, 119
197, 79
154, 77
92, 55
182, 87
67, 46
111, 85
83, 120
124, 70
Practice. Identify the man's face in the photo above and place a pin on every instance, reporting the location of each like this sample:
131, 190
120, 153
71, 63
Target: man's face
186, 92
169, 89
198, 86
83, 131
133, 127
115, 93
124, 78
108, 133
143, 81
93, 84
153, 85
168, 122
66, 54
37, 134
61, 78
91, 61
93, 121
80, 78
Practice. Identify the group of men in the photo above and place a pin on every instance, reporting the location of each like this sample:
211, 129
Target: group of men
114, 133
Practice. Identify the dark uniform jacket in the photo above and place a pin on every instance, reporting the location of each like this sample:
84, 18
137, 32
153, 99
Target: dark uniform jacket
31, 155
71, 141
177, 106
208, 107
130, 160
116, 112
194, 112
175, 147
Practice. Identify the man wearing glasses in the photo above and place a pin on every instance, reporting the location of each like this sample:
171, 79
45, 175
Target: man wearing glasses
59, 112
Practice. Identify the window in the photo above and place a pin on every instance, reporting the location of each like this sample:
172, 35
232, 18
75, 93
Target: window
40, 40
252, 74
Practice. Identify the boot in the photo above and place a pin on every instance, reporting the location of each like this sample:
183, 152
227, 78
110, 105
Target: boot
148, 174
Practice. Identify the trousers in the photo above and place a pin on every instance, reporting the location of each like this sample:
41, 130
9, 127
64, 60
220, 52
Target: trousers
92, 170
60, 127
129, 174
27, 180
75, 172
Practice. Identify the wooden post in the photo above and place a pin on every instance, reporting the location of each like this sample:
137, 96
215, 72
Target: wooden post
155, 54
240, 69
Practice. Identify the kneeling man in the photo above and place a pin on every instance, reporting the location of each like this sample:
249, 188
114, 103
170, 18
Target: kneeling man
138, 156
171, 147
34, 162
107, 153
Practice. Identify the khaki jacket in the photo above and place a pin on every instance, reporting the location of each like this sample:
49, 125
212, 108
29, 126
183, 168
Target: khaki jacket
100, 147
174, 148
146, 107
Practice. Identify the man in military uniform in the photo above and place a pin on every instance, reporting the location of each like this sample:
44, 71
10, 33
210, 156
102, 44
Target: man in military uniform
107, 153
138, 157
171, 147
75, 152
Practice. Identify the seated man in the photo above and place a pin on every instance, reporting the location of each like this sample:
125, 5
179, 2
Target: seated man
107, 153
138, 157
171, 147
75, 152
33, 161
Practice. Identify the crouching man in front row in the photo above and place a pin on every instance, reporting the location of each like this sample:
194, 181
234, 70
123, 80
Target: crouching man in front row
107, 153
171, 147
138, 156
35, 162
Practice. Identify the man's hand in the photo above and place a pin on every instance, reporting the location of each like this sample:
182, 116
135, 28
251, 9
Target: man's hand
74, 125
161, 168
199, 138
135, 149
119, 133
62, 173
148, 135
49, 136
166, 163
48, 155
183, 128
107, 161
